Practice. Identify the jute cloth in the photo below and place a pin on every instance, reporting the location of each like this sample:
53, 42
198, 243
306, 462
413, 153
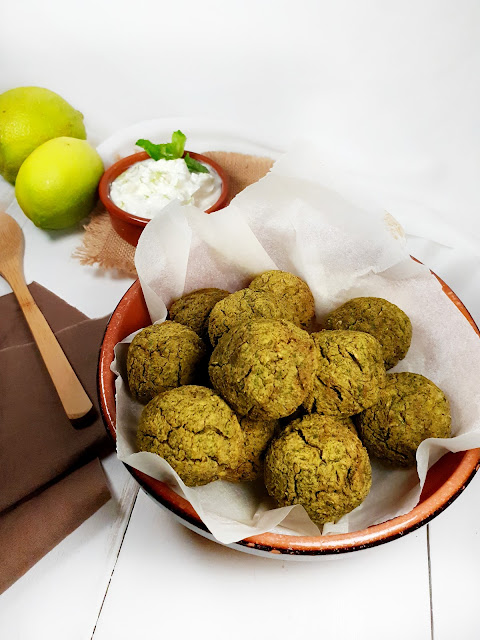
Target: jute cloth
104, 247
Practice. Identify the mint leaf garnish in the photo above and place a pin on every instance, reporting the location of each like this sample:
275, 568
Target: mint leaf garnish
153, 150
166, 151
177, 145
194, 166
171, 151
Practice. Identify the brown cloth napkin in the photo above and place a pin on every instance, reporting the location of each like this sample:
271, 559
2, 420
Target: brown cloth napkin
13, 328
101, 244
35, 527
48, 481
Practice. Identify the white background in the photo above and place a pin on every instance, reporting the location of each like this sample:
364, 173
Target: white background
389, 92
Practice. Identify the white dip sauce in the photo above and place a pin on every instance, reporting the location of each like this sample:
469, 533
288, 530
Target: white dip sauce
149, 185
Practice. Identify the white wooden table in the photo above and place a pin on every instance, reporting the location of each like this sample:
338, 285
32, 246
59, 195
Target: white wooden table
390, 94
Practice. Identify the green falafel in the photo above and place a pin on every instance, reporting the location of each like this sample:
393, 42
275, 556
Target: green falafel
239, 307
349, 374
320, 463
411, 409
195, 431
193, 309
164, 356
264, 368
257, 435
382, 319
292, 293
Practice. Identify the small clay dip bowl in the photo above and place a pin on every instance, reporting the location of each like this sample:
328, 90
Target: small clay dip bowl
445, 480
128, 225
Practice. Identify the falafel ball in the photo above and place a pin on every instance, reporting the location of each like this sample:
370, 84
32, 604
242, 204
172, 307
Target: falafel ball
164, 356
349, 375
411, 408
382, 319
257, 435
238, 307
264, 368
320, 463
195, 431
292, 293
193, 309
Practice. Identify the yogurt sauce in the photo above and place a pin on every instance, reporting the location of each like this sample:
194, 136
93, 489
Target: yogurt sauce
148, 186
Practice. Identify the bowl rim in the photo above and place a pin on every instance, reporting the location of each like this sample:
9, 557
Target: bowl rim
123, 164
467, 464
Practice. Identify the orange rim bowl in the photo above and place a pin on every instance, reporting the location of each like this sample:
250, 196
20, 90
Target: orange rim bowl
445, 480
130, 226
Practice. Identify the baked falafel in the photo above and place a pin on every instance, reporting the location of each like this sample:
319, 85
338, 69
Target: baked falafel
349, 375
382, 319
195, 431
164, 356
320, 463
193, 309
411, 409
292, 293
257, 435
264, 369
239, 307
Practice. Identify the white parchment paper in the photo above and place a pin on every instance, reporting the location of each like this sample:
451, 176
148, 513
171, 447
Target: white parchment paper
292, 221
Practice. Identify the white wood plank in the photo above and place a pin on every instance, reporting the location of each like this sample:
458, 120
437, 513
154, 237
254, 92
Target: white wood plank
170, 582
455, 562
455, 534
61, 596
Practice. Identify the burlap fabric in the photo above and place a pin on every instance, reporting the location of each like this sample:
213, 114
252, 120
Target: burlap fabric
104, 247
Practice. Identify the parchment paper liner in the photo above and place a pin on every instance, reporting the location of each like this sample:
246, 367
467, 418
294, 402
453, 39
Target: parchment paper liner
290, 220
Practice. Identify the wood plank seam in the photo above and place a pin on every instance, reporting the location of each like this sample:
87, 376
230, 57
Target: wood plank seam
124, 499
429, 561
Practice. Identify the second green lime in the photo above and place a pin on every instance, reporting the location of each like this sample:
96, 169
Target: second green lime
57, 184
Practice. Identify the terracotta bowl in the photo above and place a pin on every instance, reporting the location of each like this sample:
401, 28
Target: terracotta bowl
444, 482
130, 226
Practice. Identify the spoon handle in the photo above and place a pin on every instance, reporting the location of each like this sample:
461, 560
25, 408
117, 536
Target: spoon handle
69, 388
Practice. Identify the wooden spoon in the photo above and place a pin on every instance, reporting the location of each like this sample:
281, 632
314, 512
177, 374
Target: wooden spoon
71, 393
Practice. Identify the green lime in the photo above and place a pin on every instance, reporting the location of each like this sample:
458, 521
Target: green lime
30, 116
57, 184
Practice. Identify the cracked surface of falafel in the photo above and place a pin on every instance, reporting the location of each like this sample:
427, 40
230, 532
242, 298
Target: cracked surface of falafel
264, 368
411, 408
257, 435
193, 309
379, 317
164, 356
349, 374
239, 307
292, 293
320, 463
195, 431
